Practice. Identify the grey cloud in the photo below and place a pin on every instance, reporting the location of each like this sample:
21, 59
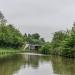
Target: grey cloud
43, 16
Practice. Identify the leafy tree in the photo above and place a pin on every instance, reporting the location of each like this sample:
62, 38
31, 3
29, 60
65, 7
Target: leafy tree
46, 48
35, 36
63, 43
2, 18
9, 35
58, 38
69, 44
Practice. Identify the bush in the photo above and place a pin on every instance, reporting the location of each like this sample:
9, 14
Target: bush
68, 52
45, 49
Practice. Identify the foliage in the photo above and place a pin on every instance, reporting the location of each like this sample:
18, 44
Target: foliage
58, 38
45, 49
34, 38
63, 43
69, 44
9, 36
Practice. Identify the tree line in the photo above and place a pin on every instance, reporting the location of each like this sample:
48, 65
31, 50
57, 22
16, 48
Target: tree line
62, 43
34, 39
10, 37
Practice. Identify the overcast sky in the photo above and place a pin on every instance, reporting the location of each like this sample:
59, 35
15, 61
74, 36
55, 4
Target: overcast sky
42, 16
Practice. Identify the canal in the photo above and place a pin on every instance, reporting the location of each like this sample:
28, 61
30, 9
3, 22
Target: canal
26, 64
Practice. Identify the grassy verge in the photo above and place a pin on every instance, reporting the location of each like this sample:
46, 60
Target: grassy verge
4, 52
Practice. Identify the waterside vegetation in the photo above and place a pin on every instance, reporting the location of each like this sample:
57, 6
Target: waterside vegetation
62, 43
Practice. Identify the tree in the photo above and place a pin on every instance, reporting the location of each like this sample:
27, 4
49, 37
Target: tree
58, 38
69, 44
46, 48
2, 18
9, 35
35, 36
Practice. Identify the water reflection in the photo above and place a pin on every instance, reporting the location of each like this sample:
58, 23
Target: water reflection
39, 65
65, 66
9, 65
31, 60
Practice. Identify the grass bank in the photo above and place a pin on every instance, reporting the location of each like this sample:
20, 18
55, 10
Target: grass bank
4, 52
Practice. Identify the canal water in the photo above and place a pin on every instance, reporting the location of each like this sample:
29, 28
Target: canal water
26, 64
